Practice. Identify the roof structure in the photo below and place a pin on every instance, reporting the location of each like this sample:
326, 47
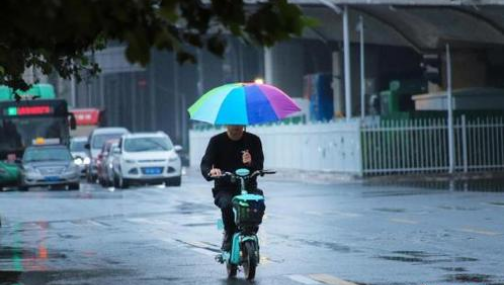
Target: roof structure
423, 25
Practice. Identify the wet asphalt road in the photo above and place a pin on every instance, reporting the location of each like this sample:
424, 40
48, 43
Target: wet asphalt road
313, 234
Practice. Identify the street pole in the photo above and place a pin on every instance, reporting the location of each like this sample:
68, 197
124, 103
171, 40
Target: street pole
73, 95
346, 51
451, 146
362, 68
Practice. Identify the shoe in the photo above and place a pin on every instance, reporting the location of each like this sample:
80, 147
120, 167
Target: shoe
226, 242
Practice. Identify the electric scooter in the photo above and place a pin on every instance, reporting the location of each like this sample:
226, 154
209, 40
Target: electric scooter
249, 210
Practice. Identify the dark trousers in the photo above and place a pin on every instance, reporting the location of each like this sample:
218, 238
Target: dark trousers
223, 200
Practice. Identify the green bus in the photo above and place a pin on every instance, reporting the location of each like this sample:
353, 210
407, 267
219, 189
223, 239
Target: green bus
37, 91
37, 116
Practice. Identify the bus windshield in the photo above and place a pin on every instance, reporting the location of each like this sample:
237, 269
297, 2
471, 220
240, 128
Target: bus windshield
18, 133
78, 146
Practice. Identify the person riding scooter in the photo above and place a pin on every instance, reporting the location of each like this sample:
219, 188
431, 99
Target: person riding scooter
227, 152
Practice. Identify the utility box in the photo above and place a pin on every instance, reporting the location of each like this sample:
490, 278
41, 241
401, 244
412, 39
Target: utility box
398, 98
318, 91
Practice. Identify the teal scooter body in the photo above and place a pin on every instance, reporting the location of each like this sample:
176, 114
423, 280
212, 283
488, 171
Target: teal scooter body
245, 244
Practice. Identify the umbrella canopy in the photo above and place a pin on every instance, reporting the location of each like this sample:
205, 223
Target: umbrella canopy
243, 104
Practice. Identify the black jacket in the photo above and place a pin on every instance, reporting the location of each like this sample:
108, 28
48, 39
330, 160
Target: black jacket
226, 154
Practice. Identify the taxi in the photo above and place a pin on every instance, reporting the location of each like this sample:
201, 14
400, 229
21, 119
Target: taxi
47, 164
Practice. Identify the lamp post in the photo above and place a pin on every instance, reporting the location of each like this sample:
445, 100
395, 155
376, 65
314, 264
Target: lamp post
360, 28
451, 147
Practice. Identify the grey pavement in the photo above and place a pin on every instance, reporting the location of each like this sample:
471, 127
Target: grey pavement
314, 233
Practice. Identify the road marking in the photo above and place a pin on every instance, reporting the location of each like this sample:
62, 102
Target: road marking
334, 213
329, 279
480, 231
149, 221
404, 221
303, 279
203, 251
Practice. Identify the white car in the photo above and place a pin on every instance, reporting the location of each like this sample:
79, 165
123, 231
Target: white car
147, 158
79, 153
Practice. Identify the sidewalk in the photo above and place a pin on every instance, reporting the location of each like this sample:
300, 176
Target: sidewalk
290, 175
327, 177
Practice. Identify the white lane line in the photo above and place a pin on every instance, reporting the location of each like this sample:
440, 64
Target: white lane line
329, 279
404, 221
203, 251
302, 279
149, 221
100, 224
479, 231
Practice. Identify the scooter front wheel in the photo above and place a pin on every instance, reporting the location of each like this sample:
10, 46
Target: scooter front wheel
232, 270
250, 260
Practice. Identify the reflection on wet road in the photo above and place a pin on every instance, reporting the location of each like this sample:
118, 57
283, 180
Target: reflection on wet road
356, 233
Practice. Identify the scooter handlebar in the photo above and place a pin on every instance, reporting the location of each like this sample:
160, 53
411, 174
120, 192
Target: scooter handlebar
254, 174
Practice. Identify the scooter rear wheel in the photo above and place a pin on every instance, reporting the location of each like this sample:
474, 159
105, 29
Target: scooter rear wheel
232, 270
250, 260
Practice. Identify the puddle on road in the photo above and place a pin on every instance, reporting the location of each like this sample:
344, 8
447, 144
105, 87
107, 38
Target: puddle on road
11, 253
477, 185
454, 269
9, 277
390, 210
423, 257
469, 278
459, 208
59, 277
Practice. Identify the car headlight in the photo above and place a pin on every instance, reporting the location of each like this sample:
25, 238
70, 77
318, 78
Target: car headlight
87, 160
173, 158
78, 161
129, 161
30, 169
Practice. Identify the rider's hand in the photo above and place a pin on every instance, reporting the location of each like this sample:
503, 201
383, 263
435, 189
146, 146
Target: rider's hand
246, 157
215, 172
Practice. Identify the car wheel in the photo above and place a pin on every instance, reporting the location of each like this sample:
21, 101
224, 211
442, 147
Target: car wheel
1, 188
103, 182
175, 181
74, 186
23, 188
123, 183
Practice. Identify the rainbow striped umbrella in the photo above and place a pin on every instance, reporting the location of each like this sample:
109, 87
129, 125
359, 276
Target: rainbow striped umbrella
243, 104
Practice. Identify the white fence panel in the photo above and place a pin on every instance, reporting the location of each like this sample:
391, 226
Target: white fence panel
332, 146
374, 147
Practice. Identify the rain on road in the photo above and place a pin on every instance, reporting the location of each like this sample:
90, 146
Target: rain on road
314, 233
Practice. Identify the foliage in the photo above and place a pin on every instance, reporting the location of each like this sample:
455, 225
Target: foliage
61, 35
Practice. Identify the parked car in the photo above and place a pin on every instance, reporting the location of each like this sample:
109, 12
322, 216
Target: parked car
147, 158
79, 153
104, 163
95, 143
9, 174
49, 165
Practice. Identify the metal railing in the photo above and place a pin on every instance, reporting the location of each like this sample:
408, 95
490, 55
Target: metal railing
374, 146
415, 146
